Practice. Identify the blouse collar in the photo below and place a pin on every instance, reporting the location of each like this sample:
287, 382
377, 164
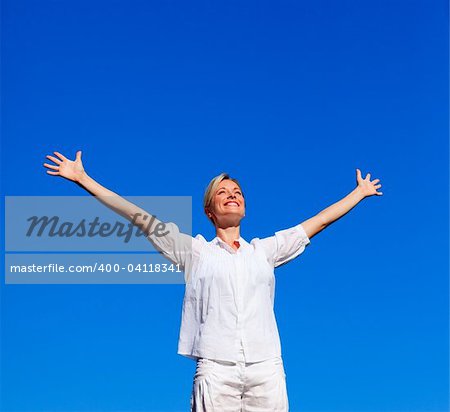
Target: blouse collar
219, 242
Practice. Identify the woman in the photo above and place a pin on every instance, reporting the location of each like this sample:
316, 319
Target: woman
228, 324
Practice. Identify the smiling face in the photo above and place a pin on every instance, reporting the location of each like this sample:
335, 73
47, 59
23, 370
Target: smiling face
227, 206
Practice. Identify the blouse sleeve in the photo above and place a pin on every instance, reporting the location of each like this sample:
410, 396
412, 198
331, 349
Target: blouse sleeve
285, 245
173, 244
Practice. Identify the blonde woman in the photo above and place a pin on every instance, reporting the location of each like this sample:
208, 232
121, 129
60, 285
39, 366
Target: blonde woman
228, 323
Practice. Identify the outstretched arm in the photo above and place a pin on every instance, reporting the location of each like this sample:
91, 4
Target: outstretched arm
365, 188
73, 170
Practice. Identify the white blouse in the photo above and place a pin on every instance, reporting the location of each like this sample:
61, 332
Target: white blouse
229, 294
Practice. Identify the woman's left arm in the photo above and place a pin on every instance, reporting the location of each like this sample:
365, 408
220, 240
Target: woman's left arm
365, 188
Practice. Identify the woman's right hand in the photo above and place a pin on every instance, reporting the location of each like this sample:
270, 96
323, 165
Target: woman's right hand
70, 169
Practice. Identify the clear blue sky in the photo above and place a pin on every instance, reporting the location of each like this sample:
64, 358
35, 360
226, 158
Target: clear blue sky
288, 96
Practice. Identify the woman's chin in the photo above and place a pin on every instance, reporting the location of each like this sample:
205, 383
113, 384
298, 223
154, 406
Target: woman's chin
231, 220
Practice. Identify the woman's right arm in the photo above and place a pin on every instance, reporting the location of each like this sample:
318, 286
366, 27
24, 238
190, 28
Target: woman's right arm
73, 170
173, 244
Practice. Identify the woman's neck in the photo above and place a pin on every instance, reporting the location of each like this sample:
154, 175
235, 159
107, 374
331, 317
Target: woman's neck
229, 235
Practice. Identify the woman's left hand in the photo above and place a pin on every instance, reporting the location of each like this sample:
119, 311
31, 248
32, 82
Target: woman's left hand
367, 187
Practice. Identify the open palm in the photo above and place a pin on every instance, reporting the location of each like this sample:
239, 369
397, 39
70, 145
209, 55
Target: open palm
70, 169
367, 187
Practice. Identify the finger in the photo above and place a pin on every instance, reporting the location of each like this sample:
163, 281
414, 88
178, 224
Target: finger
53, 173
62, 157
78, 155
51, 166
379, 193
375, 181
358, 174
377, 186
368, 176
54, 159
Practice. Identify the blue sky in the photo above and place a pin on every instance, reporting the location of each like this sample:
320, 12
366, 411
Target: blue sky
288, 96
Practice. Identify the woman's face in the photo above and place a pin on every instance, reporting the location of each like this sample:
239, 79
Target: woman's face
228, 204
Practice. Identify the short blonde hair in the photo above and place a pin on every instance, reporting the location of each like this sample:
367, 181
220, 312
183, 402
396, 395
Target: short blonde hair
211, 189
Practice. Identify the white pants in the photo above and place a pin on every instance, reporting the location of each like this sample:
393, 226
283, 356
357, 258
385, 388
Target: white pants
221, 386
